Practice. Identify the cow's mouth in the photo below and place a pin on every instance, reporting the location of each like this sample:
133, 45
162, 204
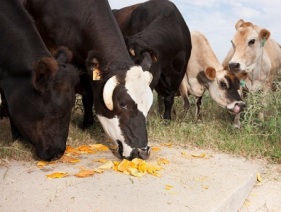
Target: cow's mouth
236, 107
142, 153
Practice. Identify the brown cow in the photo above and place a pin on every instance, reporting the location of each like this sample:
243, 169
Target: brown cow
254, 52
204, 72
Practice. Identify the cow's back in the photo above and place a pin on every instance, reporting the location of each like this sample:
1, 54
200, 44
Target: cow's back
202, 55
160, 25
81, 26
273, 50
160, 19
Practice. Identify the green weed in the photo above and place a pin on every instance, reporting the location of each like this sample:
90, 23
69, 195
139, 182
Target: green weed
259, 137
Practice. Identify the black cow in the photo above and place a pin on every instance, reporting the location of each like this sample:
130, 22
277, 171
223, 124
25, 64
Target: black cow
3, 107
36, 89
122, 96
158, 28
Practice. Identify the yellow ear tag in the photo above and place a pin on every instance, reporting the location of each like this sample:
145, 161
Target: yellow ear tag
96, 74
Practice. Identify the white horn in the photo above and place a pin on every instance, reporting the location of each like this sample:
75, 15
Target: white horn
148, 76
108, 92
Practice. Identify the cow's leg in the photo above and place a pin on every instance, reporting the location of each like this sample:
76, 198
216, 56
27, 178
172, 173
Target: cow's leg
15, 132
168, 102
88, 119
198, 108
87, 100
236, 122
186, 103
3, 107
184, 93
160, 103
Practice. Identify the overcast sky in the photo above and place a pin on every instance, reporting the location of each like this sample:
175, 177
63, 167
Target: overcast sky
216, 18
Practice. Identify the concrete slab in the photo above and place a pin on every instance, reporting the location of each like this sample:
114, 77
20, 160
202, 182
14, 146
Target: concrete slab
216, 182
266, 195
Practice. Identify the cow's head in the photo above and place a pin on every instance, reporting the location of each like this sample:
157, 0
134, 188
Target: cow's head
40, 108
122, 105
248, 43
138, 50
223, 87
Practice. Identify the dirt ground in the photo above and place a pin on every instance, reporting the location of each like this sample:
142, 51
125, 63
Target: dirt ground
191, 180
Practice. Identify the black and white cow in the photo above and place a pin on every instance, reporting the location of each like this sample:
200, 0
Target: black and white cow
36, 89
122, 96
158, 28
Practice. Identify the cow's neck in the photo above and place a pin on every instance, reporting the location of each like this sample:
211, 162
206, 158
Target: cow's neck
258, 68
108, 39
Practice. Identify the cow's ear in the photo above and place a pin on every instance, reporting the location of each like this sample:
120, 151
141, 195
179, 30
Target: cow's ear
126, 39
210, 73
153, 54
239, 23
93, 65
264, 34
44, 70
147, 59
149, 56
226, 68
63, 55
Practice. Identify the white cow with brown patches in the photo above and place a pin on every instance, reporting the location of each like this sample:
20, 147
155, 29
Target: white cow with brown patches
204, 72
254, 52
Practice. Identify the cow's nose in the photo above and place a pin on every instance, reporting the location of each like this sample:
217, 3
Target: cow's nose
144, 153
242, 105
234, 66
238, 107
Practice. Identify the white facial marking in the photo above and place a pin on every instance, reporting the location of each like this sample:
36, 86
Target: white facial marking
138, 88
216, 92
126, 150
112, 129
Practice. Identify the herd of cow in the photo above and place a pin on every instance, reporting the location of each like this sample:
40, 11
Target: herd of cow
53, 49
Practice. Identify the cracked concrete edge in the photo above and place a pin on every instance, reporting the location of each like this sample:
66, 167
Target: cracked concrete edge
235, 201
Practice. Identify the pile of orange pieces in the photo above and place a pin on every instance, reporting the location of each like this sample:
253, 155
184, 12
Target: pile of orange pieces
137, 167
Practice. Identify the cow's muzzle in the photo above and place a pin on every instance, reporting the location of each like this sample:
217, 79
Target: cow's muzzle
234, 67
236, 107
142, 153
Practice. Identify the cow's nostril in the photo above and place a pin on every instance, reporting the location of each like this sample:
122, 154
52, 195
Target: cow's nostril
58, 156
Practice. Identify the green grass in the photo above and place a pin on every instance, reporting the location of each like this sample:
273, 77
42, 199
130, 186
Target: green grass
256, 138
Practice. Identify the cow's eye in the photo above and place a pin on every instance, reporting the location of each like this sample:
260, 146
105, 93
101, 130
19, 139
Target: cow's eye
223, 85
251, 42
